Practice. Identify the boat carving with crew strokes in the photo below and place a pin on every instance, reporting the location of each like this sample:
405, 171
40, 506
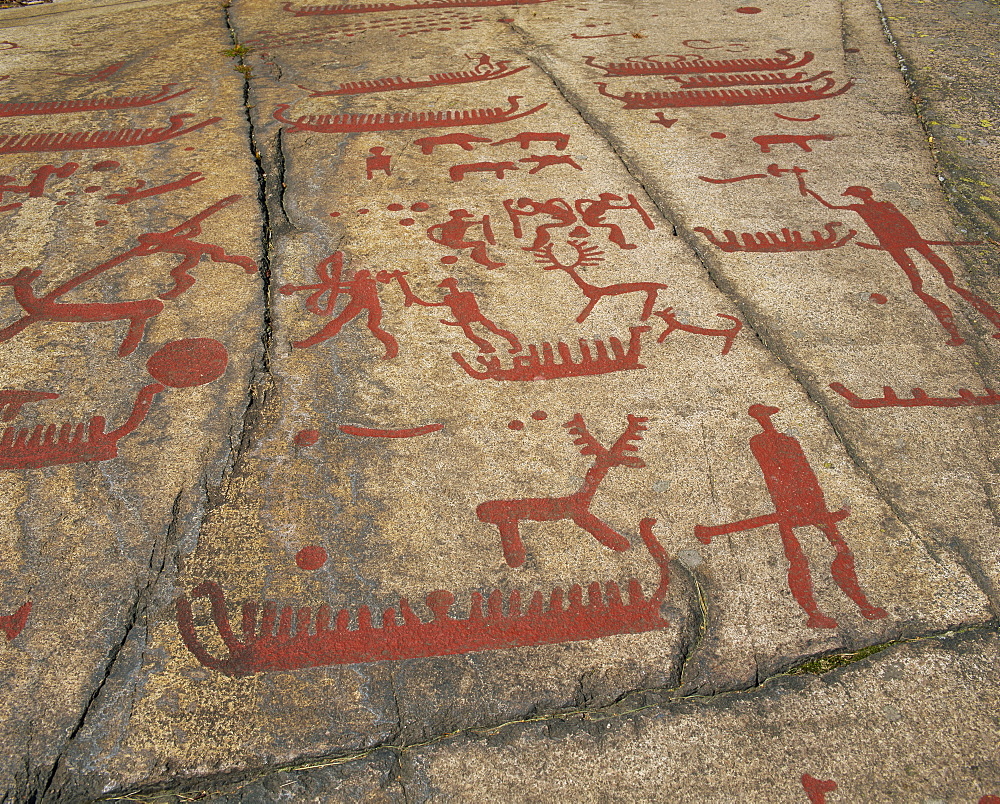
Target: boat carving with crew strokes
403, 121
368, 8
796, 93
695, 63
24, 108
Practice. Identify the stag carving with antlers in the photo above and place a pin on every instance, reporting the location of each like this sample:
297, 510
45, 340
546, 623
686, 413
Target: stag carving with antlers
508, 514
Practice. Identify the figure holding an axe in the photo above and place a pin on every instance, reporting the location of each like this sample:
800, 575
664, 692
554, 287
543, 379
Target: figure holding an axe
798, 501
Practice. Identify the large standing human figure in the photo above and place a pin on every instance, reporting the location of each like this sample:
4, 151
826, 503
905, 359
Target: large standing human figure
896, 234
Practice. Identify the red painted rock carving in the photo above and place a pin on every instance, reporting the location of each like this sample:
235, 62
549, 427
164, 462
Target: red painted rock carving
918, 399
772, 242
311, 557
498, 169
452, 233
101, 75
44, 308
766, 141
461, 139
729, 333
400, 121
990, 800
697, 63
465, 308
534, 366
361, 288
526, 138
36, 187
130, 194
597, 36
116, 138
485, 70
508, 514
720, 80
364, 8
376, 432
798, 501
288, 639
174, 241
592, 213
595, 293
816, 789
659, 119
13, 624
21, 108
179, 364
13, 399
378, 162
558, 209
896, 236
548, 160
798, 93
810, 119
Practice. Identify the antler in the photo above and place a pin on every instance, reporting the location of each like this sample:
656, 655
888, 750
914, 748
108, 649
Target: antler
586, 256
591, 446
627, 442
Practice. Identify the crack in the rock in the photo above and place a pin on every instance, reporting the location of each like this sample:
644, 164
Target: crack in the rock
260, 375
654, 700
753, 319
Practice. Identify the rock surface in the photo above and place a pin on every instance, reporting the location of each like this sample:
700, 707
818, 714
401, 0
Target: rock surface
575, 365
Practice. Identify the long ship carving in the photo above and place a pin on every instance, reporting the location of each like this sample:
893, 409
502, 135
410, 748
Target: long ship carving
52, 444
22, 108
688, 65
286, 638
718, 80
919, 398
544, 366
484, 71
366, 8
772, 242
797, 93
116, 138
403, 121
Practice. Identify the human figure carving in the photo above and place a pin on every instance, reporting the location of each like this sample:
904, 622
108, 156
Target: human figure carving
508, 514
556, 208
378, 162
43, 308
896, 235
465, 309
798, 501
595, 293
592, 212
452, 233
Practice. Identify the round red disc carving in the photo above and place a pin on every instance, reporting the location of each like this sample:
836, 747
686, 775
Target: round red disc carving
517, 424
449, 260
539, 415
188, 362
878, 298
311, 557
306, 438
394, 207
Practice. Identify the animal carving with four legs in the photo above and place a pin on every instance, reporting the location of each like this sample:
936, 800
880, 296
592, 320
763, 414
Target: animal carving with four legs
507, 514
589, 256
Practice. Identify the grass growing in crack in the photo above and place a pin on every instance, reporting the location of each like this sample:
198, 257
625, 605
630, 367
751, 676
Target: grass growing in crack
237, 51
824, 664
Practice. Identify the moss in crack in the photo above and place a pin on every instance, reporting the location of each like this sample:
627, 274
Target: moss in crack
824, 664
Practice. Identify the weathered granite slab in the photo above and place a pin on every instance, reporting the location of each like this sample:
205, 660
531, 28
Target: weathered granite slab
125, 160
516, 419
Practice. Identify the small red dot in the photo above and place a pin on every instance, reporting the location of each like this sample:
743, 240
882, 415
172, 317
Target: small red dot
189, 148
878, 298
407, 222
311, 558
420, 206
61, 203
852, 50
334, 214
100, 223
363, 211
71, 193
539, 415
748, 10
517, 424
93, 188
449, 260
395, 207
108, 164
718, 135
306, 438
506, 19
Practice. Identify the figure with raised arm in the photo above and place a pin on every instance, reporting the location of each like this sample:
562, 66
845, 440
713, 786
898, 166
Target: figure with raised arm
896, 235
465, 308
